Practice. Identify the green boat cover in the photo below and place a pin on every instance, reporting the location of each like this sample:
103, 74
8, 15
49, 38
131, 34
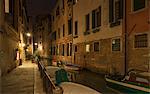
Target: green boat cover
61, 76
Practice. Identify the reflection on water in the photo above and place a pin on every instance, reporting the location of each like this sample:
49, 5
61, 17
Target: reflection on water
93, 80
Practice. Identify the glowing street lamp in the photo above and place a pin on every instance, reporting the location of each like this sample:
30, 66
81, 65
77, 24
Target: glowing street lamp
28, 34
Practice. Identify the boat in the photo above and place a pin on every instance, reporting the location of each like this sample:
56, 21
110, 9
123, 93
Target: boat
135, 82
61, 78
75, 88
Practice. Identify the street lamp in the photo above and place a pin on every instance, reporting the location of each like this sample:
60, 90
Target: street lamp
28, 34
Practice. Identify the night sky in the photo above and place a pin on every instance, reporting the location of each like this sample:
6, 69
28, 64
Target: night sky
37, 7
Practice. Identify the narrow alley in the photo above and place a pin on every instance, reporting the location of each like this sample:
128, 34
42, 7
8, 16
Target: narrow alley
25, 79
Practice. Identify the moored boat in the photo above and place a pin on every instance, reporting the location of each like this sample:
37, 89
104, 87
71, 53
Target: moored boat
131, 84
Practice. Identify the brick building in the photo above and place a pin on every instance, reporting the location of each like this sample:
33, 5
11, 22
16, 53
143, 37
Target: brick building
12, 27
138, 34
92, 34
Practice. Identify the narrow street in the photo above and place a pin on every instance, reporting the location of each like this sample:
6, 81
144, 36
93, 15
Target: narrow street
25, 79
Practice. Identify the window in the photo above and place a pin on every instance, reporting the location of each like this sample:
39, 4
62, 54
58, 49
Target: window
63, 30
63, 49
116, 45
96, 46
67, 49
70, 49
87, 21
75, 48
93, 19
54, 35
115, 10
87, 48
54, 51
138, 4
58, 33
76, 28
96, 18
141, 41
57, 11
63, 4
57, 49
69, 26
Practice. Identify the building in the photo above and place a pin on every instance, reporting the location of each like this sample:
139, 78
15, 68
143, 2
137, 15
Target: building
101, 35
89, 34
62, 31
41, 35
12, 27
138, 34
98, 35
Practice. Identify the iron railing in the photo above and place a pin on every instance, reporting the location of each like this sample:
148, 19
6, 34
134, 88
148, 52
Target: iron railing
48, 84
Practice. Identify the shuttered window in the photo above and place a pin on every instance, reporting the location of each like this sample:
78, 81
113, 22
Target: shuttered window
93, 19
69, 26
96, 17
76, 27
63, 49
70, 49
115, 10
63, 30
87, 21
67, 49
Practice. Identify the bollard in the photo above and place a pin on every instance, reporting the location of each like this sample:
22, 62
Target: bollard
58, 90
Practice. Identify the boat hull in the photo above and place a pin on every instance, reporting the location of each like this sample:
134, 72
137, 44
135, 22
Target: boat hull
126, 88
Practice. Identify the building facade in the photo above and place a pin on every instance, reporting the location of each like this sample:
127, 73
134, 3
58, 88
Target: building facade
138, 34
12, 16
41, 35
101, 35
62, 31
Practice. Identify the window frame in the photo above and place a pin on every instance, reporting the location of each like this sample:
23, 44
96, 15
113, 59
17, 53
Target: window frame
132, 7
98, 46
141, 47
112, 44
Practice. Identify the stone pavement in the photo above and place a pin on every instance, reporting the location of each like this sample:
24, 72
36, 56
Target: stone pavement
25, 79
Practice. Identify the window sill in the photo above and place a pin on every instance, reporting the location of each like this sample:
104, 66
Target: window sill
76, 36
116, 23
138, 11
86, 33
97, 29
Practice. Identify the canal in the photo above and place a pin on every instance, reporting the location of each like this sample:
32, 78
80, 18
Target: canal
95, 81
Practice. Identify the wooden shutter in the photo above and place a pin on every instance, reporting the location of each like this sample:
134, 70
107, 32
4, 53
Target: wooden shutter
111, 8
121, 9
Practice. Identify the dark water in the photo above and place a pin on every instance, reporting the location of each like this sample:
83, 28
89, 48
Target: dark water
95, 81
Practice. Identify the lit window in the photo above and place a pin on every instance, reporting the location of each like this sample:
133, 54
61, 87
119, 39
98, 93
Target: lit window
138, 4
87, 47
141, 41
116, 45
